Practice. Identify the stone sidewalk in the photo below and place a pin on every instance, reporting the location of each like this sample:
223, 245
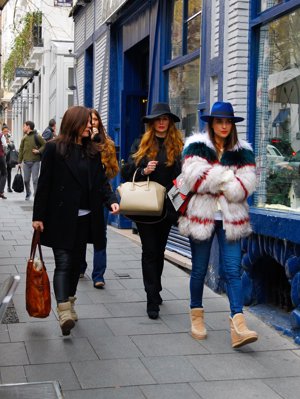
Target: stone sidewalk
116, 352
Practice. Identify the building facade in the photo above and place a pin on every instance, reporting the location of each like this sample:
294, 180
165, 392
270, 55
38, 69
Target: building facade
39, 85
131, 54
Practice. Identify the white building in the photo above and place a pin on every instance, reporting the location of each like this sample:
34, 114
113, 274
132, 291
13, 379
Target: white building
44, 93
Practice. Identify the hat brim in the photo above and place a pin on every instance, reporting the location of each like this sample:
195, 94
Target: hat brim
149, 118
207, 118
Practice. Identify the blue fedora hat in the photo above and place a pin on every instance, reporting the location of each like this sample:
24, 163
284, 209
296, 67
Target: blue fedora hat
221, 110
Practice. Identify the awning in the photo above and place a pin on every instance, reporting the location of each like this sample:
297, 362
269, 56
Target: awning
281, 117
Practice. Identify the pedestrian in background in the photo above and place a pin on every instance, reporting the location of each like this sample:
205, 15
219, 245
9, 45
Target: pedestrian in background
68, 206
31, 147
50, 132
156, 155
107, 149
11, 155
3, 170
219, 169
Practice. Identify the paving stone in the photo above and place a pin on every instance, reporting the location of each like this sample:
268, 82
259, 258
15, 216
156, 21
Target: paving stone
61, 372
91, 328
131, 283
168, 344
13, 374
59, 350
167, 391
171, 369
112, 296
134, 325
228, 366
106, 393
217, 320
177, 323
13, 354
174, 307
282, 363
112, 373
110, 347
248, 389
220, 342
92, 311
287, 388
126, 309
216, 305
41, 329
4, 336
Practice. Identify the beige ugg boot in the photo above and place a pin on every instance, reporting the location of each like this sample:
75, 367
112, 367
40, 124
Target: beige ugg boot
72, 299
66, 321
198, 329
240, 334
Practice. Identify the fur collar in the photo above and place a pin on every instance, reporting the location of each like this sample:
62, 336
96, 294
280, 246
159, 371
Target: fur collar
203, 137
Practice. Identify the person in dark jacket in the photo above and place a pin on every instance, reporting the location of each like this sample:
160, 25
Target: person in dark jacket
157, 155
68, 205
49, 133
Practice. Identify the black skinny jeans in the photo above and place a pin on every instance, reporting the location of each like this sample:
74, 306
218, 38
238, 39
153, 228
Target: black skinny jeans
154, 239
8, 168
67, 262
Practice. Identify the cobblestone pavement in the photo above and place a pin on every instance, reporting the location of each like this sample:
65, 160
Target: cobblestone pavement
116, 352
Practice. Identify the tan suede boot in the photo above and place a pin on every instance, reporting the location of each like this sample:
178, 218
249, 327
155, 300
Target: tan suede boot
240, 334
72, 299
66, 321
198, 329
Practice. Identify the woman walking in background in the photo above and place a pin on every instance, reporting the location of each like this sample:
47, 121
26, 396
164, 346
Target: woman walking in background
157, 155
68, 206
220, 170
109, 160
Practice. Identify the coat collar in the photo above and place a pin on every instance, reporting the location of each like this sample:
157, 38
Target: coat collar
203, 137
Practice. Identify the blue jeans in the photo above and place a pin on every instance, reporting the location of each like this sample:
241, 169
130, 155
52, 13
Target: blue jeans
230, 268
99, 261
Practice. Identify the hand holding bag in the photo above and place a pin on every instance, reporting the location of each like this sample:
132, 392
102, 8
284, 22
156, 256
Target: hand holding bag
18, 183
145, 198
38, 297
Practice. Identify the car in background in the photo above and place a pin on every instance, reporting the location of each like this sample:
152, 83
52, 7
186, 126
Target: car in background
274, 157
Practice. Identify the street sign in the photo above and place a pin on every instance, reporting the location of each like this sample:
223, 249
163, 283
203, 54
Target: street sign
24, 72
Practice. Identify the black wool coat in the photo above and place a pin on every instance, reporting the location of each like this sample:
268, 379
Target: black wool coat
57, 199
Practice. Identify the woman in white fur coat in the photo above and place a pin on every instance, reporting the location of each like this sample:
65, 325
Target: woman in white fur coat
220, 170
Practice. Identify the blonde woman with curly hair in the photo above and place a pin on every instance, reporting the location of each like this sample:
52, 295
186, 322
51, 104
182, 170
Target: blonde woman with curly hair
109, 160
156, 154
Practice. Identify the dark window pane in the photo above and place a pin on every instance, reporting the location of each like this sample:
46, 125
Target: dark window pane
193, 34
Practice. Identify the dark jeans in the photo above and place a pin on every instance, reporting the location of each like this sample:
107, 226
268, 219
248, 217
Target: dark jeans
3, 174
9, 168
67, 262
154, 239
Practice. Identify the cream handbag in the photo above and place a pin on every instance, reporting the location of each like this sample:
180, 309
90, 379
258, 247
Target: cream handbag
145, 198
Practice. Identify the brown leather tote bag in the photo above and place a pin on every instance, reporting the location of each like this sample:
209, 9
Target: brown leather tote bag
38, 297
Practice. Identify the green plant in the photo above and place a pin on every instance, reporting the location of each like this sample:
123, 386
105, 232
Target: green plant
22, 46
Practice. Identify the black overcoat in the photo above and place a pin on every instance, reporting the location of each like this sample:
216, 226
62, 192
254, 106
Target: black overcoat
57, 199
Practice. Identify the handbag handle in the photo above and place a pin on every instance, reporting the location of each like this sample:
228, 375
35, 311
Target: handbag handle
36, 242
133, 180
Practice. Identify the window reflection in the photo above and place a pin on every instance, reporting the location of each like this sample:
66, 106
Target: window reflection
265, 4
184, 94
177, 28
278, 116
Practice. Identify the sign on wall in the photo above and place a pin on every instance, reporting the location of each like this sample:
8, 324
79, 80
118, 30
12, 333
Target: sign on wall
109, 7
24, 72
67, 3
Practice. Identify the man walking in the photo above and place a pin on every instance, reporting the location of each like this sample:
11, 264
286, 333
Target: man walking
50, 132
3, 171
31, 148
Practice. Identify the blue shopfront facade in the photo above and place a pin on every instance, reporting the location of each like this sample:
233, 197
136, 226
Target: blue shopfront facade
192, 53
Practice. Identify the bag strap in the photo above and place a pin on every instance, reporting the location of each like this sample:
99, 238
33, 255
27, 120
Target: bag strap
36, 140
36, 242
133, 179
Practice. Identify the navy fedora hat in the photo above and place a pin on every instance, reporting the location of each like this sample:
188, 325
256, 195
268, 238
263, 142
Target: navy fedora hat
221, 109
160, 109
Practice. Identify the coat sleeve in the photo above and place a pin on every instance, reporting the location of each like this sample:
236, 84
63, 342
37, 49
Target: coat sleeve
21, 149
128, 169
202, 176
43, 189
242, 185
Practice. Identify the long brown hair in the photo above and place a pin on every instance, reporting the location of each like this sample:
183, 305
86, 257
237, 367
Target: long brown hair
230, 140
149, 146
72, 125
107, 149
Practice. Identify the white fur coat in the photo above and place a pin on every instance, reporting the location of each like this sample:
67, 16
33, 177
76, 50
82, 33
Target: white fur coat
229, 181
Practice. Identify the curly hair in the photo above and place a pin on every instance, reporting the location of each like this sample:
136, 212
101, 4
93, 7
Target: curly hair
107, 149
149, 147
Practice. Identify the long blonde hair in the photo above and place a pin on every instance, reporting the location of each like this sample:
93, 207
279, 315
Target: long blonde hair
149, 147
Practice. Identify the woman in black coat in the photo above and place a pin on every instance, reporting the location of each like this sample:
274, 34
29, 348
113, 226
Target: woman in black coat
157, 155
68, 205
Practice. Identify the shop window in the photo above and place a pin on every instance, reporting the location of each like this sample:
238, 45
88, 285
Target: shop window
184, 94
185, 27
265, 4
278, 115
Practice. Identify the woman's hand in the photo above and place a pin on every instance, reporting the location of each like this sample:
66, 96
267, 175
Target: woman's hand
94, 131
150, 167
114, 208
38, 225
